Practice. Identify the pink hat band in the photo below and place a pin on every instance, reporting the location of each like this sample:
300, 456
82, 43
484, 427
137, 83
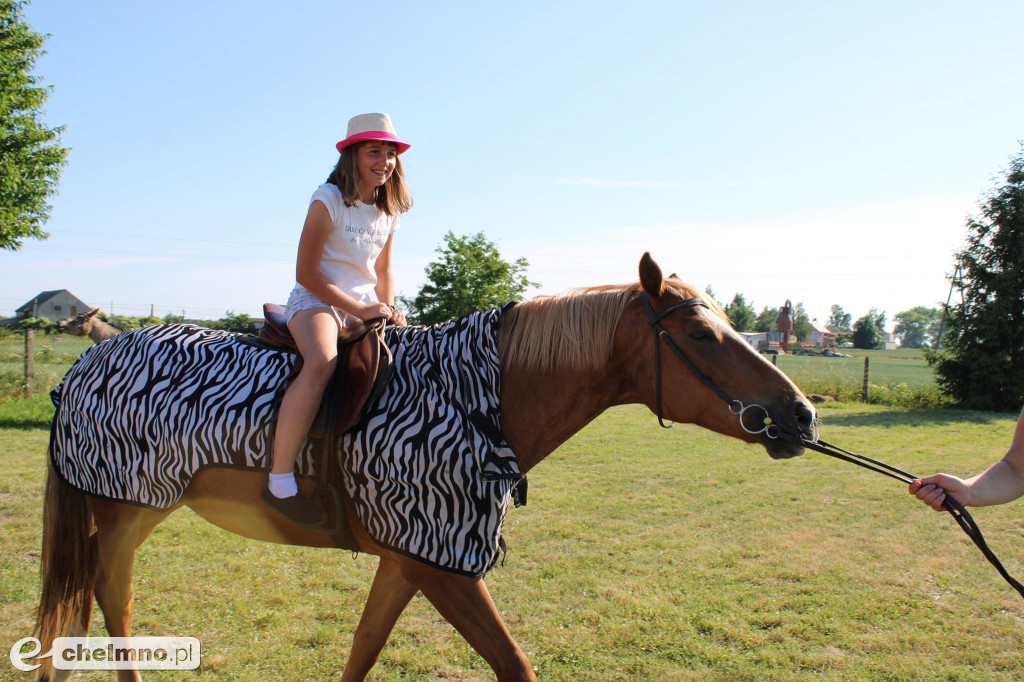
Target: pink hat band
381, 135
372, 127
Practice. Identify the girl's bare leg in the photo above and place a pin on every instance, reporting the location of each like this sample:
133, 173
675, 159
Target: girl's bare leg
316, 334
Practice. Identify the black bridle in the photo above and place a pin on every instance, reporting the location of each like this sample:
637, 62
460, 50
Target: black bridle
766, 426
771, 430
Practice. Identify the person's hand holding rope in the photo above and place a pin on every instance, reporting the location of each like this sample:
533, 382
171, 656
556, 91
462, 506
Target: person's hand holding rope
1002, 482
932, 490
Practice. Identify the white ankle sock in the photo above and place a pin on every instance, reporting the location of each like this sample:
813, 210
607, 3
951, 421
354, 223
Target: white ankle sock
283, 485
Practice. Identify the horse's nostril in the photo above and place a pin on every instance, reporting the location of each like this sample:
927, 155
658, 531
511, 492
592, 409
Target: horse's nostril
805, 419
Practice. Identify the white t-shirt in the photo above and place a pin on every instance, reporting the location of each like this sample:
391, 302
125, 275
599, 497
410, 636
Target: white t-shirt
356, 240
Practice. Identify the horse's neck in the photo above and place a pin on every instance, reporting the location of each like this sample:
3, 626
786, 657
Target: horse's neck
101, 331
542, 411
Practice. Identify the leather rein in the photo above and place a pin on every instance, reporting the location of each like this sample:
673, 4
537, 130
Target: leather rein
955, 509
770, 430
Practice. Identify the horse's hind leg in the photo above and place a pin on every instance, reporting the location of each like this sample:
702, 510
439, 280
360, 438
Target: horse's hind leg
389, 596
120, 529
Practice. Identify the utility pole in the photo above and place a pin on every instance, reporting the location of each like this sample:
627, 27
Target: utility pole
954, 281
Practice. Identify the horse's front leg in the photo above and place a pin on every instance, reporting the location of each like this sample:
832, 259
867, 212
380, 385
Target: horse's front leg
389, 595
465, 603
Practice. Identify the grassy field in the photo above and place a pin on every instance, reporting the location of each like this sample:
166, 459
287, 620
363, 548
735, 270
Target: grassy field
53, 356
643, 555
886, 367
900, 377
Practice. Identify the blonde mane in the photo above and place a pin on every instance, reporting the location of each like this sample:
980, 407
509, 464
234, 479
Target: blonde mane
573, 331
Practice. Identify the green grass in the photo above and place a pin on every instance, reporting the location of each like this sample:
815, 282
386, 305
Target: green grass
883, 370
53, 356
899, 378
643, 555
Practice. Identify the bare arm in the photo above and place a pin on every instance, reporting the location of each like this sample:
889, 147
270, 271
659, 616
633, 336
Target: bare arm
1002, 482
385, 288
307, 269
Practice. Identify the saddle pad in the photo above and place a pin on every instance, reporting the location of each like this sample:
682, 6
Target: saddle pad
425, 468
139, 415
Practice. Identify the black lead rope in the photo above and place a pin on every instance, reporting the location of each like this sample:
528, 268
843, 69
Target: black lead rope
956, 510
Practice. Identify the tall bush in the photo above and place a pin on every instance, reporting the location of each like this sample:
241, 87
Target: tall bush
982, 363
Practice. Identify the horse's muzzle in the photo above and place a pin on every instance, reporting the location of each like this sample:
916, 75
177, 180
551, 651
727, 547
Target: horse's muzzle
795, 427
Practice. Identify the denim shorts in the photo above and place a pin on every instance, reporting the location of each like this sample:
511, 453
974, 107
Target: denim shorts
302, 299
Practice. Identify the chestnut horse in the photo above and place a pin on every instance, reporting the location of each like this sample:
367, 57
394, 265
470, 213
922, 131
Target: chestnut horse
87, 324
564, 360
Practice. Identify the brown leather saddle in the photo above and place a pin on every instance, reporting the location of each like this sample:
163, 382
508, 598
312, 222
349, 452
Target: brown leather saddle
362, 372
363, 369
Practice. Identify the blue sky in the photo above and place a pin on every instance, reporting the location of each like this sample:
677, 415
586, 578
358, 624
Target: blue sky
819, 152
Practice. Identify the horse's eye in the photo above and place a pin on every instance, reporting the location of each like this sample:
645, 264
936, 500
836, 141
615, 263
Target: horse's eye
701, 334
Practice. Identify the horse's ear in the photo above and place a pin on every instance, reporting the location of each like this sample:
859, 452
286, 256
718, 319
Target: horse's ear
92, 313
650, 277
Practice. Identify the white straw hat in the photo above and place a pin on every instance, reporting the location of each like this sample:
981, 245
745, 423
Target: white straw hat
371, 127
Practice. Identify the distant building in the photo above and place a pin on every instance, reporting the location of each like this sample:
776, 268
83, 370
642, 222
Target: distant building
822, 335
52, 305
768, 342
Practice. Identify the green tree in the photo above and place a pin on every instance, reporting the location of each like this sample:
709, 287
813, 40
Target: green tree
802, 327
914, 327
40, 325
840, 320
937, 328
31, 157
740, 314
125, 323
868, 330
981, 364
239, 323
470, 275
765, 321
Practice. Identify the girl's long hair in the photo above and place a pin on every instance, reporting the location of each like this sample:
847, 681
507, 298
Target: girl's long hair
393, 197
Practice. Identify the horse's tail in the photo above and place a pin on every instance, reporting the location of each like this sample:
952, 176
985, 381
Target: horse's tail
67, 566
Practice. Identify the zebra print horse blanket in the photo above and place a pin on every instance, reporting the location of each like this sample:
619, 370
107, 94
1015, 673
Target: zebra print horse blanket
139, 415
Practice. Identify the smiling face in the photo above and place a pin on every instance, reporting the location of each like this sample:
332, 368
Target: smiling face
376, 162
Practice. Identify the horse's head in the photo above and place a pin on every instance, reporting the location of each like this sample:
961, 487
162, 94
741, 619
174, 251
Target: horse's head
77, 325
691, 366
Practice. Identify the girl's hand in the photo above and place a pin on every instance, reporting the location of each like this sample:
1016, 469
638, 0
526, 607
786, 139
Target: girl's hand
371, 311
932, 490
397, 318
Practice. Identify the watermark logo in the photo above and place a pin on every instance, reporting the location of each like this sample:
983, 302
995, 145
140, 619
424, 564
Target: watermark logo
110, 653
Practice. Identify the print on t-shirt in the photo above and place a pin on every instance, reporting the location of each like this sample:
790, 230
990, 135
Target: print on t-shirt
367, 237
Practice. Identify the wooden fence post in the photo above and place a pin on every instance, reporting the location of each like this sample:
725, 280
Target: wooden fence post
30, 360
867, 376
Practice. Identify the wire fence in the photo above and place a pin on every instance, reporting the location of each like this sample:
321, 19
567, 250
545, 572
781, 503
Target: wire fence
32, 363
